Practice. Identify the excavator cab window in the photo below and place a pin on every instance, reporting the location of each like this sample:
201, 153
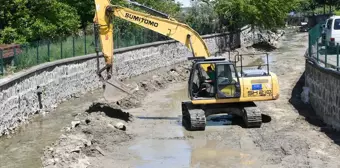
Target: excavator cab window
220, 80
200, 83
227, 82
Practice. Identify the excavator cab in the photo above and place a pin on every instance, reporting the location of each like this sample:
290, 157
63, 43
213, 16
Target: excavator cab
220, 81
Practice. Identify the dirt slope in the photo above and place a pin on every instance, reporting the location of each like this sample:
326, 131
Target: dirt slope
154, 136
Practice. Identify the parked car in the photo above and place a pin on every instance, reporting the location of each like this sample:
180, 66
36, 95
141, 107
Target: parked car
304, 27
332, 31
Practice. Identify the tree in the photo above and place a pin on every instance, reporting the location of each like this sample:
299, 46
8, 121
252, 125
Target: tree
267, 14
166, 6
85, 10
305, 5
28, 20
202, 18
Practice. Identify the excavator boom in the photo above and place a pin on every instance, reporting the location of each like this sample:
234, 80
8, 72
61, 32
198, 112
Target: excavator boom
163, 25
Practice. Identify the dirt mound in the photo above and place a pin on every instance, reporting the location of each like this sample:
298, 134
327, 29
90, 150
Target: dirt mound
264, 46
110, 111
90, 135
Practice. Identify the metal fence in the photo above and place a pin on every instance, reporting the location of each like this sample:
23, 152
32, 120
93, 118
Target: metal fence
324, 51
18, 57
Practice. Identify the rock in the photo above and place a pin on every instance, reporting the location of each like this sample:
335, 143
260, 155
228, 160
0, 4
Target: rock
144, 84
49, 162
56, 160
75, 124
87, 121
111, 126
67, 129
120, 126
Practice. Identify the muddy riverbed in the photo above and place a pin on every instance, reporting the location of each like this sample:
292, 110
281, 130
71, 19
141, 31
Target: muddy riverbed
290, 136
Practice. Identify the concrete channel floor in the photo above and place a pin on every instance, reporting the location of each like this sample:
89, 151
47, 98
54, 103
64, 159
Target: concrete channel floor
290, 136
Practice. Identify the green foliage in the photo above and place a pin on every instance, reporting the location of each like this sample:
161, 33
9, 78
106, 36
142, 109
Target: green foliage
202, 18
130, 32
268, 14
28, 20
305, 5
10, 35
85, 10
169, 7
235, 12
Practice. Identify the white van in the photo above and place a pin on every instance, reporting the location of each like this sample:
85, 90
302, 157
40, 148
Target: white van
332, 28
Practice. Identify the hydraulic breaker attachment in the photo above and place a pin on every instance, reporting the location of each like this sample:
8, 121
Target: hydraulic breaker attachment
114, 89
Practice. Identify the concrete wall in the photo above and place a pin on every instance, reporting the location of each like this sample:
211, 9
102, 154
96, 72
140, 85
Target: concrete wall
64, 79
324, 92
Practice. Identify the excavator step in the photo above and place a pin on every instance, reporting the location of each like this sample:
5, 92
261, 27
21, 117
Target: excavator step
252, 117
193, 119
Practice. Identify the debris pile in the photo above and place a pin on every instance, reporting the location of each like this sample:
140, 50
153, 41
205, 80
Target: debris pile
90, 135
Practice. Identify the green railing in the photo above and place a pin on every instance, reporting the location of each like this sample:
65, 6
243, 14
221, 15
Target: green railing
31, 54
324, 51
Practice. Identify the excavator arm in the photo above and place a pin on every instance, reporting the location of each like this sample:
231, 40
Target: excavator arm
164, 25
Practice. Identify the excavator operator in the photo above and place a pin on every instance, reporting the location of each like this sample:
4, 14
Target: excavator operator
211, 74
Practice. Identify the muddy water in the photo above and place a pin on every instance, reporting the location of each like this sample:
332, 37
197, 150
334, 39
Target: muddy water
25, 147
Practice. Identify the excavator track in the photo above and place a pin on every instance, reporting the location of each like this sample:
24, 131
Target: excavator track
193, 119
252, 117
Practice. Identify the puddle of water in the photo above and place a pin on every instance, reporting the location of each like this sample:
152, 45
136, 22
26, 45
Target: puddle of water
163, 153
154, 153
219, 120
25, 147
211, 153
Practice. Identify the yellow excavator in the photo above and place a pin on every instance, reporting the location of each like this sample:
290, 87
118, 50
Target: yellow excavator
214, 86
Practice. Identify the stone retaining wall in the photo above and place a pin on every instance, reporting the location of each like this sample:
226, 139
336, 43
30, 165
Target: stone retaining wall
63, 79
324, 92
